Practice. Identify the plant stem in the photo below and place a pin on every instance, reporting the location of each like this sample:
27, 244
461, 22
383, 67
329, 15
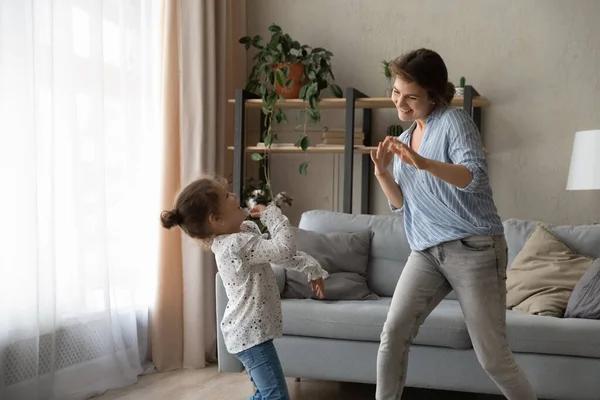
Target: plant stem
305, 123
266, 160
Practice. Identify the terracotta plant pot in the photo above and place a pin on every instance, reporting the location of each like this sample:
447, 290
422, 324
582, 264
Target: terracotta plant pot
296, 71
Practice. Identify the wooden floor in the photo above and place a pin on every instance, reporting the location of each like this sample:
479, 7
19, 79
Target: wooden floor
209, 384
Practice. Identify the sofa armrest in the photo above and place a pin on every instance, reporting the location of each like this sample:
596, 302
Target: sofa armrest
227, 362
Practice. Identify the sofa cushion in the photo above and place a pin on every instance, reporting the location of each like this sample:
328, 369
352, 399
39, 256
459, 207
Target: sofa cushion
546, 335
344, 255
584, 239
389, 247
585, 299
543, 275
360, 320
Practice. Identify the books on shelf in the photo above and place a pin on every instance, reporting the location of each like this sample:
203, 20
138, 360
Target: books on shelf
276, 144
338, 137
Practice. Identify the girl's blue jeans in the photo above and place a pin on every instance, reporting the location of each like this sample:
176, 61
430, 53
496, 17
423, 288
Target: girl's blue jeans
263, 366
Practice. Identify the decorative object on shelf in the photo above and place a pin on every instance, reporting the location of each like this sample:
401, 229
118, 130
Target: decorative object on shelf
387, 72
257, 192
394, 130
284, 69
584, 171
460, 90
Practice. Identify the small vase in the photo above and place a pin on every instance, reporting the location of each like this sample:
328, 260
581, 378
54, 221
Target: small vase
459, 91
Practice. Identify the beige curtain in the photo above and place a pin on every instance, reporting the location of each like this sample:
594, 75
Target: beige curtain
199, 43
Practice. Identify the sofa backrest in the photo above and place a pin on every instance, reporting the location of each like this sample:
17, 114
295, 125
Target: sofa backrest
584, 239
389, 247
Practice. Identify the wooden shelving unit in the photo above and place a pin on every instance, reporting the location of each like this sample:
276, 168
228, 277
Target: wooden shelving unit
311, 149
354, 100
375, 102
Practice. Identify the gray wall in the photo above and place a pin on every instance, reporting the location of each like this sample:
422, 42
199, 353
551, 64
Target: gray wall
537, 61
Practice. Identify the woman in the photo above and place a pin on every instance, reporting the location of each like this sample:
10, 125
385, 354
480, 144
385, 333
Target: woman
440, 185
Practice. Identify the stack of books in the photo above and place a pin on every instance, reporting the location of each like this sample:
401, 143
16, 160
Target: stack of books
337, 137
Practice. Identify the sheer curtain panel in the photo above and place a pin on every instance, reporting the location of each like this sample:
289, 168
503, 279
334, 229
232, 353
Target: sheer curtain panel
80, 166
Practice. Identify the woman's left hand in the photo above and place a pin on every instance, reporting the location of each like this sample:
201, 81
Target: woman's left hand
408, 155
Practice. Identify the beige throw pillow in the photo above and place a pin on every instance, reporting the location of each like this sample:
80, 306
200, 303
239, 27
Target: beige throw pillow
542, 276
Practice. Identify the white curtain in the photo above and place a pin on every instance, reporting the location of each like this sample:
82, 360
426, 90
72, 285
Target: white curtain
80, 165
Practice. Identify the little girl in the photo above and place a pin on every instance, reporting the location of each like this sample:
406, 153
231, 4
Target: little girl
207, 211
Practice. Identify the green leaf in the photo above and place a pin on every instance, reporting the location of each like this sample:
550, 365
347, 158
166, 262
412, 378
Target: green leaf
274, 28
274, 42
269, 139
314, 104
303, 90
314, 115
280, 77
245, 39
303, 168
283, 116
256, 156
312, 76
312, 90
304, 142
271, 100
263, 90
266, 110
289, 83
278, 117
336, 90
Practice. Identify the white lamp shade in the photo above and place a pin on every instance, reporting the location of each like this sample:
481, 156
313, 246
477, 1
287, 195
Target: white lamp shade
584, 173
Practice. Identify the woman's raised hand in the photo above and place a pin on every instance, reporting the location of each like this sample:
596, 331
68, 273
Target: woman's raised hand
382, 157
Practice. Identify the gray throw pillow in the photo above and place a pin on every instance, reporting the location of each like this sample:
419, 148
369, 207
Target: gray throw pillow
345, 255
585, 298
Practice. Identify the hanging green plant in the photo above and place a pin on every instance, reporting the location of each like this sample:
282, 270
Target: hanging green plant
387, 72
285, 69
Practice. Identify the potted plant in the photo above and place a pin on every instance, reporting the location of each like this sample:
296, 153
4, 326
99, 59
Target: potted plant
460, 90
285, 69
394, 130
387, 72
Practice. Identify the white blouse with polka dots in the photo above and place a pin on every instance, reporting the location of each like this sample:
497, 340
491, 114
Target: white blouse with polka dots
253, 313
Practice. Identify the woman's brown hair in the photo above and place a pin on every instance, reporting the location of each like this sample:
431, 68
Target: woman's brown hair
427, 69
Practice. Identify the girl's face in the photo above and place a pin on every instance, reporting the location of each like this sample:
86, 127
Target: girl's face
411, 101
231, 215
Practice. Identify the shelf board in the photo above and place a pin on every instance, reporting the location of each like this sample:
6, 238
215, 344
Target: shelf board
317, 149
363, 102
311, 149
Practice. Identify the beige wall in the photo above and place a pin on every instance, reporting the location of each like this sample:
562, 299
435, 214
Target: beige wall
537, 61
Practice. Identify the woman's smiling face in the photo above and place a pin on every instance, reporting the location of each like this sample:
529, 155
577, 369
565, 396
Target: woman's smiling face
411, 100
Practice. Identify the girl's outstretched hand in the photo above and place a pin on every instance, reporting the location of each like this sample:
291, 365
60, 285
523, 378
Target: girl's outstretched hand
257, 210
318, 287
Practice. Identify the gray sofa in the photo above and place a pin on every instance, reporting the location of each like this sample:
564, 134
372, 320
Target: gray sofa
338, 340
